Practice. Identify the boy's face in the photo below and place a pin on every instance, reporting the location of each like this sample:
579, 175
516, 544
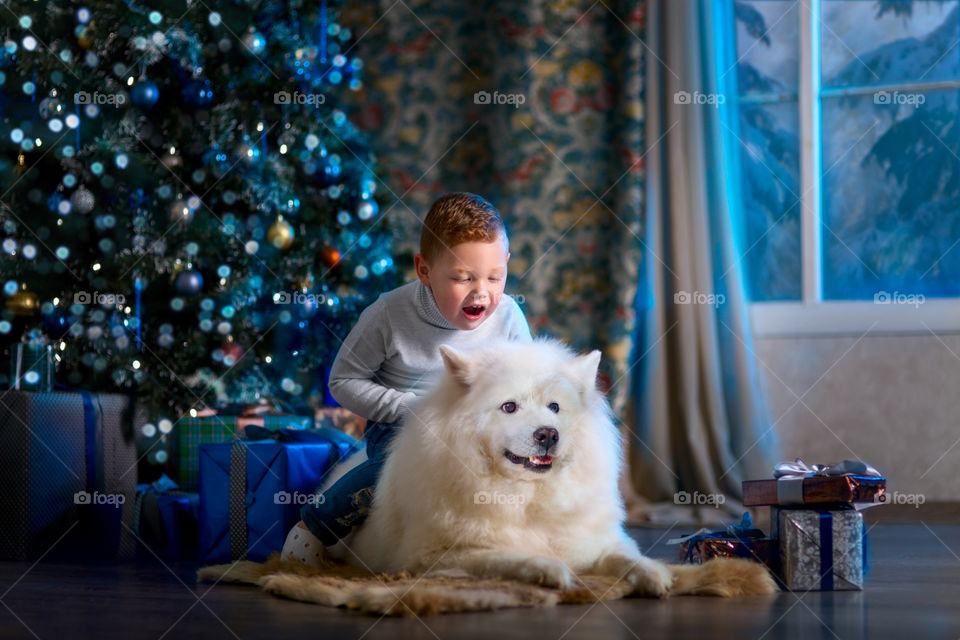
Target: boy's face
467, 281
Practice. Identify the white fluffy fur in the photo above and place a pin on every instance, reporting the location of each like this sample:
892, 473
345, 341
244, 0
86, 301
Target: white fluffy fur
548, 525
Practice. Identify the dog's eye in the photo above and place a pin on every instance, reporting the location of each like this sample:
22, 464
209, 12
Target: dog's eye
553, 406
508, 407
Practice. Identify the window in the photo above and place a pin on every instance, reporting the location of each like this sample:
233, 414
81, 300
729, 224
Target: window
848, 127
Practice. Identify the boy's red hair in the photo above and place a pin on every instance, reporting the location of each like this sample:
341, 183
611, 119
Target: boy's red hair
456, 218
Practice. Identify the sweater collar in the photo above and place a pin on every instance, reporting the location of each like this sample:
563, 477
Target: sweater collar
427, 308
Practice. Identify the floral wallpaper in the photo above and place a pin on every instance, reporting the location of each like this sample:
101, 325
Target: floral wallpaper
537, 106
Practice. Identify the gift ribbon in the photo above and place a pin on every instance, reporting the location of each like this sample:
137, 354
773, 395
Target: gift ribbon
790, 476
238, 500
103, 521
90, 440
826, 550
158, 486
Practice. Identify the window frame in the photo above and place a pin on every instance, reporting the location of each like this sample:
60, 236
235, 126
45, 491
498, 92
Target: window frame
812, 315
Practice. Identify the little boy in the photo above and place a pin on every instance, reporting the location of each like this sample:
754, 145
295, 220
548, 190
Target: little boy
392, 354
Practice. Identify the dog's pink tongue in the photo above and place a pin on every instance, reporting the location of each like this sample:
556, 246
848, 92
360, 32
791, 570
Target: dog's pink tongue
543, 459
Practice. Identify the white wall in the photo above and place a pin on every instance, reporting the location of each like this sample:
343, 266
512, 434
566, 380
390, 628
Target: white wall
893, 401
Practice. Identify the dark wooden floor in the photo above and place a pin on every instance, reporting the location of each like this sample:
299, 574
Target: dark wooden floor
913, 591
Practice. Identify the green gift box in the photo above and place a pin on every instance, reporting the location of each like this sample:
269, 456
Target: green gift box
275, 422
190, 434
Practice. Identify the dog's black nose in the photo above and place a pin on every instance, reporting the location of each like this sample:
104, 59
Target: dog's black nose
546, 436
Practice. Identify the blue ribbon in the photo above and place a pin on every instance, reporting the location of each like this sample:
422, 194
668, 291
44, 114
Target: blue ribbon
90, 440
826, 550
101, 522
138, 285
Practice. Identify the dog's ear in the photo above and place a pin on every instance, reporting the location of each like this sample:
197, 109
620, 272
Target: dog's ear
584, 369
457, 365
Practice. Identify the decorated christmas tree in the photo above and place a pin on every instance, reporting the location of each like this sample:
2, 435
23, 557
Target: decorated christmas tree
186, 214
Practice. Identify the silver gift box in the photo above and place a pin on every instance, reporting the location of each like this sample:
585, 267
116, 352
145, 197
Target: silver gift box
802, 549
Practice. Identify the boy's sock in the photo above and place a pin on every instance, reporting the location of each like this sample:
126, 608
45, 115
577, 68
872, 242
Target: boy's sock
303, 547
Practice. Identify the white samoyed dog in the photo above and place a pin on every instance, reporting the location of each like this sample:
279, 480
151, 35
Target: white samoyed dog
509, 468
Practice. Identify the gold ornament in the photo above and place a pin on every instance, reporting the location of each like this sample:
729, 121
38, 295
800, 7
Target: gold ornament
84, 39
280, 234
304, 284
23, 302
21, 164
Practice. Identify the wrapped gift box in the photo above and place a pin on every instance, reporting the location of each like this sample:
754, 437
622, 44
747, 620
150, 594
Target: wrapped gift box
821, 549
737, 541
815, 490
342, 420
168, 524
68, 467
251, 494
165, 520
194, 432
191, 433
763, 550
275, 422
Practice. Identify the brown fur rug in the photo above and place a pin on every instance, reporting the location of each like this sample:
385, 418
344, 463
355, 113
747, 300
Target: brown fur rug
339, 585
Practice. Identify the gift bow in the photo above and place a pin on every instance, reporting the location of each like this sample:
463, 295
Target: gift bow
790, 476
846, 468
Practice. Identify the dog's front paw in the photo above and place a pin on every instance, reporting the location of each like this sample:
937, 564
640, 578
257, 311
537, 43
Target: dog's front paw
649, 578
542, 571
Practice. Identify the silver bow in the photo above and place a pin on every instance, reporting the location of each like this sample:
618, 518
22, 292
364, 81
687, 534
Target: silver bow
799, 468
790, 476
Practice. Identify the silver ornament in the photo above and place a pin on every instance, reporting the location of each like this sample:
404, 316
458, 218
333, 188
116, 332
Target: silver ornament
82, 200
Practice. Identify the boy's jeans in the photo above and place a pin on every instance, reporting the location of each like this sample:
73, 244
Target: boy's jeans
347, 503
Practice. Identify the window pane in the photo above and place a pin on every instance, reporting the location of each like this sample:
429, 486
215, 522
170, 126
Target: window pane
891, 212
870, 43
766, 71
766, 47
771, 178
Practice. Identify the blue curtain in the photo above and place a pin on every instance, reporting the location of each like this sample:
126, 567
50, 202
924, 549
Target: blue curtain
700, 408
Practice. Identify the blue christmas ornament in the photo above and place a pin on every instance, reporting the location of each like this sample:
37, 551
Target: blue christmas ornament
254, 41
197, 93
307, 304
189, 283
144, 94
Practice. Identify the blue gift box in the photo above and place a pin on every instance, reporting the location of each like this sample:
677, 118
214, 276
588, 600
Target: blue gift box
68, 469
165, 520
251, 494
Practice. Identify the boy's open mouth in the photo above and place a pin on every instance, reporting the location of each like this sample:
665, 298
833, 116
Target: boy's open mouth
474, 312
